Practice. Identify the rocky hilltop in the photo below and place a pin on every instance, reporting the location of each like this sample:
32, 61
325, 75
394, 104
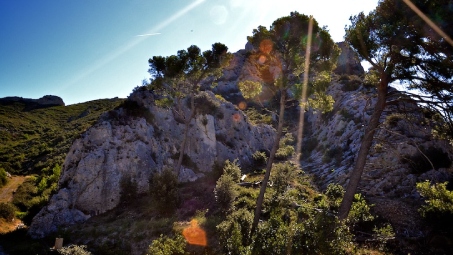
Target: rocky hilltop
134, 142
30, 104
134, 146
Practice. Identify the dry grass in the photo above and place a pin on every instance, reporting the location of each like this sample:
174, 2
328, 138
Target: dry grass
8, 226
6, 193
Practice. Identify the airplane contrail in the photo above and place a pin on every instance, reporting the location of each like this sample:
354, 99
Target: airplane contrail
147, 34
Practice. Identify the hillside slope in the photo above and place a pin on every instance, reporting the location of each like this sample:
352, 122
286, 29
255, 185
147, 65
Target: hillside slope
33, 138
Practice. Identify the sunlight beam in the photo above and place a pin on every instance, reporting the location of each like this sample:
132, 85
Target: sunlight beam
303, 101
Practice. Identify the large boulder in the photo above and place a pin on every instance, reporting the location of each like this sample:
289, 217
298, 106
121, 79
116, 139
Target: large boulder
121, 146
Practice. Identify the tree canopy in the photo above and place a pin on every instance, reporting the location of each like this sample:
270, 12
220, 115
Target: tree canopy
281, 52
402, 44
179, 76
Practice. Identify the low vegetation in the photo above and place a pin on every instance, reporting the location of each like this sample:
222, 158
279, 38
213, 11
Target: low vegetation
35, 142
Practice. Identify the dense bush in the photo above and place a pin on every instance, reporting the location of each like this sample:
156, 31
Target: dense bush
164, 190
3, 177
334, 193
225, 192
350, 83
168, 246
234, 232
259, 158
74, 250
285, 148
7, 211
282, 175
205, 104
428, 158
393, 119
334, 153
371, 79
438, 207
257, 117
232, 169
135, 110
250, 89
360, 211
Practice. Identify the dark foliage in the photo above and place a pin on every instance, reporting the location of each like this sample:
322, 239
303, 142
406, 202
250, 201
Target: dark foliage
419, 163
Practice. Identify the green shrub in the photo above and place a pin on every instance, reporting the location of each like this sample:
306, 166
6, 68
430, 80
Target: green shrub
371, 79
250, 89
285, 149
419, 162
232, 169
438, 207
393, 119
282, 175
383, 235
3, 177
164, 190
352, 83
168, 246
360, 211
273, 237
334, 153
74, 250
225, 192
437, 198
7, 211
134, 109
259, 158
258, 117
24, 194
205, 104
334, 193
234, 232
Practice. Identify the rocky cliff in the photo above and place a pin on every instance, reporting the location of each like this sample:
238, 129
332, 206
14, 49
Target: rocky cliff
138, 140
135, 143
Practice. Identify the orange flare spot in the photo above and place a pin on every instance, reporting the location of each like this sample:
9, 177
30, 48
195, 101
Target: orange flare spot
266, 46
262, 59
194, 234
242, 105
236, 117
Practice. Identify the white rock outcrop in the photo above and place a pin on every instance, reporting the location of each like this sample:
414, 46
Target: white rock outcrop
121, 146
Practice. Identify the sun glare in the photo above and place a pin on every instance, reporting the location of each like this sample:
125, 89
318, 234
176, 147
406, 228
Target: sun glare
194, 234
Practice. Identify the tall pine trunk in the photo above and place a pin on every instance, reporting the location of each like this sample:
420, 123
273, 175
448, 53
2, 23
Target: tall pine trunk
182, 150
365, 146
270, 161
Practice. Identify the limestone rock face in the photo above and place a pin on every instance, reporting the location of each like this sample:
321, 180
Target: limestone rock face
348, 61
333, 141
120, 146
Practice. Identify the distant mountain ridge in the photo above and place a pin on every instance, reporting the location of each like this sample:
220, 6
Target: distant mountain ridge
45, 101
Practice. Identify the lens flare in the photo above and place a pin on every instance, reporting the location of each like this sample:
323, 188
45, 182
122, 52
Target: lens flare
266, 46
262, 59
242, 105
236, 117
303, 100
194, 234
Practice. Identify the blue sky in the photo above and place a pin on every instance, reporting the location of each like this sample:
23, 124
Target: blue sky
84, 50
